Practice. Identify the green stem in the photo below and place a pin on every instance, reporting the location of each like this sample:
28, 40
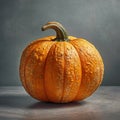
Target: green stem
61, 34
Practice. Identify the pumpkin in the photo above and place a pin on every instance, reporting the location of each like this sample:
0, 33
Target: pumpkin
60, 68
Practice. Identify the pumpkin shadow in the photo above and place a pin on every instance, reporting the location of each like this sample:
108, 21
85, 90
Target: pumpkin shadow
48, 105
67, 111
27, 102
16, 101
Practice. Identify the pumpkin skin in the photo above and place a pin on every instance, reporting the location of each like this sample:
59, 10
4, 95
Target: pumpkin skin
60, 68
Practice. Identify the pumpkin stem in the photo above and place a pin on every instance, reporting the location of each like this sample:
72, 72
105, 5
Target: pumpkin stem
61, 34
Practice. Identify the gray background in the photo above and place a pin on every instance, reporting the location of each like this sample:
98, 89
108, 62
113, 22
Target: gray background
95, 20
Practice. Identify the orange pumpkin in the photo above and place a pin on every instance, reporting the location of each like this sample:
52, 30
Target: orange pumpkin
61, 69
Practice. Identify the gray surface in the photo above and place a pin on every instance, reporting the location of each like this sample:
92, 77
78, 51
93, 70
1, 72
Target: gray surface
16, 104
96, 20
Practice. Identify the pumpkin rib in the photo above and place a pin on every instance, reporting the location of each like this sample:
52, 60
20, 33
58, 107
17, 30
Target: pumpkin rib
100, 65
63, 78
44, 71
72, 73
41, 54
34, 44
54, 72
81, 69
26, 61
101, 77
27, 58
72, 42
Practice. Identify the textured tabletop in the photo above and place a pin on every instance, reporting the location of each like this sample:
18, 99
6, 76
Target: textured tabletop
16, 104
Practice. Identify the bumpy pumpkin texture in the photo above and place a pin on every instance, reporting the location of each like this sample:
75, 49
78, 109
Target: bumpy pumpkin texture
60, 68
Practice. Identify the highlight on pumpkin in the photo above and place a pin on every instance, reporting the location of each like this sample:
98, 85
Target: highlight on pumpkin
60, 68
